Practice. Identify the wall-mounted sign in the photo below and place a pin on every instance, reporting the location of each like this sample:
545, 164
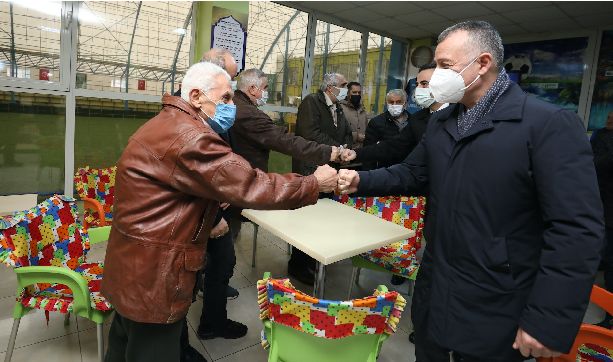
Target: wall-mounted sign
141, 84
229, 31
43, 74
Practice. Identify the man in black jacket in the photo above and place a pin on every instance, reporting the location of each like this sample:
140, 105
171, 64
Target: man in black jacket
602, 145
514, 220
320, 119
397, 148
388, 124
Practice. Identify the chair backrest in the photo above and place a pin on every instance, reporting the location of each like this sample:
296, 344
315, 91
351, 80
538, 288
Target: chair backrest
593, 343
316, 322
97, 184
48, 234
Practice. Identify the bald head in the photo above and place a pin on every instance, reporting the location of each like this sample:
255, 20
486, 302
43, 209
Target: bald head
222, 58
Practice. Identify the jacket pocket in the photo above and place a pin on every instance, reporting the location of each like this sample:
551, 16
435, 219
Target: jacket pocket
497, 262
192, 262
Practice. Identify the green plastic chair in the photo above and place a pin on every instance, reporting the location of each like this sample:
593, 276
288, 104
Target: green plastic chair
53, 275
290, 341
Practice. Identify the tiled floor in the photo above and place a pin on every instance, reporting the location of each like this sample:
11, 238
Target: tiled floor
77, 341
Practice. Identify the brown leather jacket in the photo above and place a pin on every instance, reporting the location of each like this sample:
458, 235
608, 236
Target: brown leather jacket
170, 179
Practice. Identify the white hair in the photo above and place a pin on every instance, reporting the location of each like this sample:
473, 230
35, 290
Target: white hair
201, 76
331, 79
251, 77
397, 92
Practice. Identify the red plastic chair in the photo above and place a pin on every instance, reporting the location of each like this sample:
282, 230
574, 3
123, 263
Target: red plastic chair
593, 343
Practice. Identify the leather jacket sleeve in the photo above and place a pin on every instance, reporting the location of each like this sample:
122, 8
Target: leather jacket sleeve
206, 167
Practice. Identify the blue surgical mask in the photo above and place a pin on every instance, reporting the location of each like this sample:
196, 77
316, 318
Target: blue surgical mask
224, 116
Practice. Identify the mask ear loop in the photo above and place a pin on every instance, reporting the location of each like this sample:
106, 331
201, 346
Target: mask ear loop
466, 67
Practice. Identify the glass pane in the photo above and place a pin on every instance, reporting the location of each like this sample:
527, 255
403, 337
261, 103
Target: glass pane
103, 127
32, 143
337, 50
602, 99
36, 28
104, 45
276, 40
375, 77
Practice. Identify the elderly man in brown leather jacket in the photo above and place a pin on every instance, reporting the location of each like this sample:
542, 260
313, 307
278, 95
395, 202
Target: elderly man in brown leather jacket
171, 178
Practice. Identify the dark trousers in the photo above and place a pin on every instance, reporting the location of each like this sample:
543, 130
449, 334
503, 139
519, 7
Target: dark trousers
131, 341
220, 261
219, 267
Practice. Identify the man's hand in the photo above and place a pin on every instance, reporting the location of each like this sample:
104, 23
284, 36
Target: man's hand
528, 346
361, 137
220, 229
348, 155
334, 154
326, 178
348, 181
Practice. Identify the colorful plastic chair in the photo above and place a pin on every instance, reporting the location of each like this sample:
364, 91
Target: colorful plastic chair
593, 343
47, 247
397, 258
301, 328
96, 187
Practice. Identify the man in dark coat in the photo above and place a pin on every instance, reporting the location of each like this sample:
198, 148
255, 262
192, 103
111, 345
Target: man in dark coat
387, 125
514, 220
602, 145
397, 148
254, 134
320, 119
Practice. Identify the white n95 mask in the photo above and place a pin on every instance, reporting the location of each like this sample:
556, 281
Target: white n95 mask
447, 85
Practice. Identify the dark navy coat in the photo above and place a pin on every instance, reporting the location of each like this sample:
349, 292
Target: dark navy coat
514, 225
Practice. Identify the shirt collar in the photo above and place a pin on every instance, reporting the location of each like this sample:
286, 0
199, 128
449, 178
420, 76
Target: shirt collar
328, 100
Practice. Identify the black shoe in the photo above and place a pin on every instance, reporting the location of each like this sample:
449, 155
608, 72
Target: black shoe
412, 337
231, 293
232, 330
304, 275
397, 280
190, 354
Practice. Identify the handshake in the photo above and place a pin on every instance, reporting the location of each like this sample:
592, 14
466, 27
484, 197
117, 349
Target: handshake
342, 154
341, 182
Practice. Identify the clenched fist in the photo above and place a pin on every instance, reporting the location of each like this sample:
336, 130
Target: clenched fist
326, 178
348, 181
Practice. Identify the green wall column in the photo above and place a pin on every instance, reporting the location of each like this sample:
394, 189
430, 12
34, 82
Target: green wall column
202, 22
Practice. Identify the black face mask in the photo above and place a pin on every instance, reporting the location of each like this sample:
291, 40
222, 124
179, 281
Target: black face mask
355, 99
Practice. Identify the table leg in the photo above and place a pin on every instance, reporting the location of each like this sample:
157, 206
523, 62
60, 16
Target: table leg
255, 243
320, 277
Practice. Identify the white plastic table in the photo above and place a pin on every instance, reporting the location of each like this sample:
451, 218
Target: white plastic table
328, 232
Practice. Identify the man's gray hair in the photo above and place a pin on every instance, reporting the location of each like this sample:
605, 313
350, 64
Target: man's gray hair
216, 56
201, 76
251, 77
331, 79
482, 36
397, 92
